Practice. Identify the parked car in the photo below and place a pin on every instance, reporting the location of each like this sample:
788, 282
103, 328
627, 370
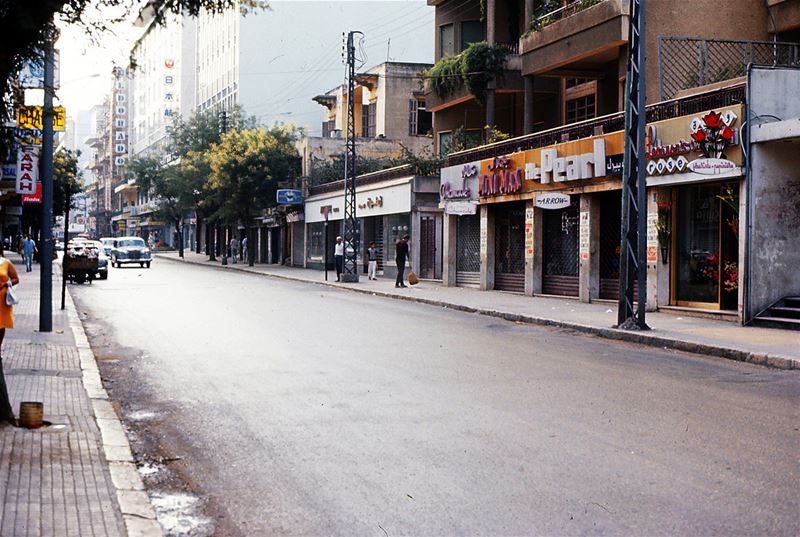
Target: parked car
108, 244
102, 260
129, 250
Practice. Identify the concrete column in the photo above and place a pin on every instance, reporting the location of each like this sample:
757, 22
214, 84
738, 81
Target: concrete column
449, 250
491, 23
414, 250
658, 268
490, 104
487, 248
527, 103
589, 249
533, 273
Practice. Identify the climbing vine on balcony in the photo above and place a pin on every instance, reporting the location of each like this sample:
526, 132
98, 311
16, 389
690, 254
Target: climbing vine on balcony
473, 69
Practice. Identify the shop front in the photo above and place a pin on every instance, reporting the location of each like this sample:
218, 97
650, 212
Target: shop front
694, 181
386, 210
541, 212
458, 195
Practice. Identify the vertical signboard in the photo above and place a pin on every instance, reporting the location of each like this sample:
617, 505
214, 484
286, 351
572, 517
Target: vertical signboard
27, 169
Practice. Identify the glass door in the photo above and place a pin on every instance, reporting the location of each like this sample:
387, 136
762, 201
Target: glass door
706, 246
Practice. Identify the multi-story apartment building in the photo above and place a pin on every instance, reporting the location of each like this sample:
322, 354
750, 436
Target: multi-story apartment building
540, 213
566, 60
163, 88
110, 143
390, 113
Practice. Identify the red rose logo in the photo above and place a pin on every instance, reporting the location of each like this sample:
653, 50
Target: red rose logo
699, 136
727, 134
713, 120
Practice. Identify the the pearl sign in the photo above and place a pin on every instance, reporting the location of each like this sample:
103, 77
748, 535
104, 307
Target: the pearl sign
557, 169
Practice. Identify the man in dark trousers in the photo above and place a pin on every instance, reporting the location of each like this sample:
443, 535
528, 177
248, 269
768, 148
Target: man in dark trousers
401, 254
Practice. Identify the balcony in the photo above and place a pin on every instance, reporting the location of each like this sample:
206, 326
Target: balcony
507, 75
685, 63
576, 40
696, 104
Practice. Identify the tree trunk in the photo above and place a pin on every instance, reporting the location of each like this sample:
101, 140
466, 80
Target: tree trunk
251, 246
197, 227
179, 229
210, 242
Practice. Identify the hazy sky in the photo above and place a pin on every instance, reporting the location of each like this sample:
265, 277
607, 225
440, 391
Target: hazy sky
303, 59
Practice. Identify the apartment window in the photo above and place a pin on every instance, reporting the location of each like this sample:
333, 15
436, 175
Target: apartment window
420, 121
472, 138
328, 127
446, 42
372, 119
580, 100
471, 32
368, 120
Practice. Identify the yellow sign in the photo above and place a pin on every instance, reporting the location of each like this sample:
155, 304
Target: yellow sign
30, 117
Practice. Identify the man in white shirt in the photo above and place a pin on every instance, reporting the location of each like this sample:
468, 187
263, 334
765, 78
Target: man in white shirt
338, 256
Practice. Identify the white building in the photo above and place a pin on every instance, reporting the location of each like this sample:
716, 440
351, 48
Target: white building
162, 78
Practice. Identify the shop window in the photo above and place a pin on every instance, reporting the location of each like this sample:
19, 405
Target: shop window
471, 32
420, 121
446, 42
316, 242
398, 226
580, 100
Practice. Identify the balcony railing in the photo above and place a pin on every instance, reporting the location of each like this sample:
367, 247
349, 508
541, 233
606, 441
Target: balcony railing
539, 21
510, 48
687, 62
602, 125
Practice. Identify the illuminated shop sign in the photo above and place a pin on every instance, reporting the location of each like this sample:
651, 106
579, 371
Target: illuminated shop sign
501, 179
556, 169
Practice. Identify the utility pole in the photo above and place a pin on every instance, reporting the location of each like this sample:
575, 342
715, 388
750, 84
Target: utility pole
66, 241
46, 245
223, 128
633, 251
351, 245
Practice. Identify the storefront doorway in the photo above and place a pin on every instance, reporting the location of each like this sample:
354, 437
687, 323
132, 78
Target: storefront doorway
706, 246
468, 250
560, 251
509, 249
427, 247
610, 240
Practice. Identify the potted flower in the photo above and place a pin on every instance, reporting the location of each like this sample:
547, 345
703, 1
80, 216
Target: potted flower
664, 228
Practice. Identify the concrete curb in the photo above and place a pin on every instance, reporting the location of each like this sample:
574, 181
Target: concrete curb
137, 511
642, 338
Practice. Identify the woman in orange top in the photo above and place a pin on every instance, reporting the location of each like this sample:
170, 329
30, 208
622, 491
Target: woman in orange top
8, 276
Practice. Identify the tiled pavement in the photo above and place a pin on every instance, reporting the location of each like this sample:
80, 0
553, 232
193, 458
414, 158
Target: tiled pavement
75, 477
719, 338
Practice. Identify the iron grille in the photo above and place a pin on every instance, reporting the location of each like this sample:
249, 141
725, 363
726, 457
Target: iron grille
561, 241
468, 242
686, 62
509, 249
610, 240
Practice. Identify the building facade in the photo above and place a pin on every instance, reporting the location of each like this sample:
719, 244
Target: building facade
566, 60
390, 204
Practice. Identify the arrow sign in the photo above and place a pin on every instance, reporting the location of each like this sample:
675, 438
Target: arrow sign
288, 196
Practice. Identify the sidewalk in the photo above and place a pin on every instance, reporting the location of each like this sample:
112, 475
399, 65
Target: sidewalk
776, 348
75, 477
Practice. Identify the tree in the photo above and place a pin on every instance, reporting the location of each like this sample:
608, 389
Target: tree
171, 185
246, 167
66, 180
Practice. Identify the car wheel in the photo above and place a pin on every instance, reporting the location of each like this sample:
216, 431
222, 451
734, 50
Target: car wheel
104, 275
141, 265
148, 264
80, 277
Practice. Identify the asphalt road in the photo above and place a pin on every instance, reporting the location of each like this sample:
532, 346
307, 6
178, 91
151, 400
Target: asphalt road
302, 410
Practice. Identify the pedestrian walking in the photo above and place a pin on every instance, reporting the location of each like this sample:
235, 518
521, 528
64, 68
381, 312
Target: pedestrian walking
372, 256
338, 257
8, 276
234, 249
28, 249
244, 249
401, 255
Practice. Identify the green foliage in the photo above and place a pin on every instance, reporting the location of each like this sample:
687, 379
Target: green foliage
66, 180
246, 167
493, 134
473, 68
540, 14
